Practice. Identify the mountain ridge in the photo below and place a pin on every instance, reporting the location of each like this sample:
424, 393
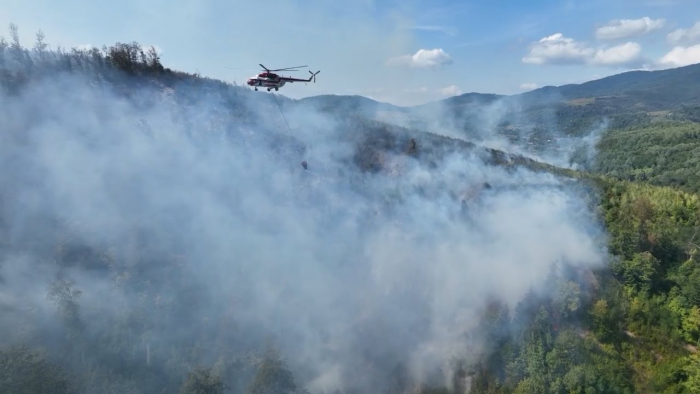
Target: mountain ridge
624, 82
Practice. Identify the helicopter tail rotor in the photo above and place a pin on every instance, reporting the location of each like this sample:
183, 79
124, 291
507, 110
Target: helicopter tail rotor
313, 75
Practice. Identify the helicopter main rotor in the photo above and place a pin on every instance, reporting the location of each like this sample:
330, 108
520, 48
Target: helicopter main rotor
282, 69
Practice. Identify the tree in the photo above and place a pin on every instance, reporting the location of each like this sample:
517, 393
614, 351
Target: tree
272, 376
691, 324
641, 271
3, 45
568, 298
202, 381
153, 60
601, 322
14, 35
27, 372
692, 369
531, 385
40, 46
65, 295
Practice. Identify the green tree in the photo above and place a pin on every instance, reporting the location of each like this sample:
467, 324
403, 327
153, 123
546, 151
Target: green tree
691, 324
28, 372
202, 381
603, 325
692, 369
641, 271
531, 385
568, 299
272, 376
65, 295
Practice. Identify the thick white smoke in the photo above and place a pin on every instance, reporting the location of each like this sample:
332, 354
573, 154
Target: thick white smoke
212, 233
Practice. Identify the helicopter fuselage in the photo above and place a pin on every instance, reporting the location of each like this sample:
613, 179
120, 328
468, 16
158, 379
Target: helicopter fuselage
266, 82
271, 80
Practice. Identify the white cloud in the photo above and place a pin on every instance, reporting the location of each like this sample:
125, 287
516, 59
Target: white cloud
424, 58
557, 49
681, 56
685, 36
626, 28
451, 91
620, 54
528, 86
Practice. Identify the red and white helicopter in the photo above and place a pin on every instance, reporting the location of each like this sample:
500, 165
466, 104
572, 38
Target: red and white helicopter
268, 79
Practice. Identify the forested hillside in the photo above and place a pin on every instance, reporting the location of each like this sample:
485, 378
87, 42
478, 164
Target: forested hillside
158, 234
638, 331
665, 154
553, 118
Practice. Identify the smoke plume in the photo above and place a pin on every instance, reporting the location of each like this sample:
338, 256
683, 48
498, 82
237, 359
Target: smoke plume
194, 235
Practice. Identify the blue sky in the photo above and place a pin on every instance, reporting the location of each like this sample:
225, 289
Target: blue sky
405, 52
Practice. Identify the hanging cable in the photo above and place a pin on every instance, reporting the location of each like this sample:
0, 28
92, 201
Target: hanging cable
304, 164
282, 112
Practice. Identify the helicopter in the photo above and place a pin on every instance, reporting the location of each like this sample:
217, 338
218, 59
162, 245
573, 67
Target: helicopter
270, 80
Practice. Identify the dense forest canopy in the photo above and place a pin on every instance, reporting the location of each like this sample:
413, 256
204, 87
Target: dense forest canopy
158, 235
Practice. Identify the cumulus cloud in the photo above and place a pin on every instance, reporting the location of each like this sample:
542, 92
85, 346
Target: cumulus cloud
424, 58
557, 49
626, 28
528, 86
451, 90
561, 50
685, 36
620, 54
681, 56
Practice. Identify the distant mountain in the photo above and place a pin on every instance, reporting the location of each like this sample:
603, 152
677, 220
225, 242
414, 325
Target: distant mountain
657, 90
464, 100
537, 120
534, 118
345, 104
662, 88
